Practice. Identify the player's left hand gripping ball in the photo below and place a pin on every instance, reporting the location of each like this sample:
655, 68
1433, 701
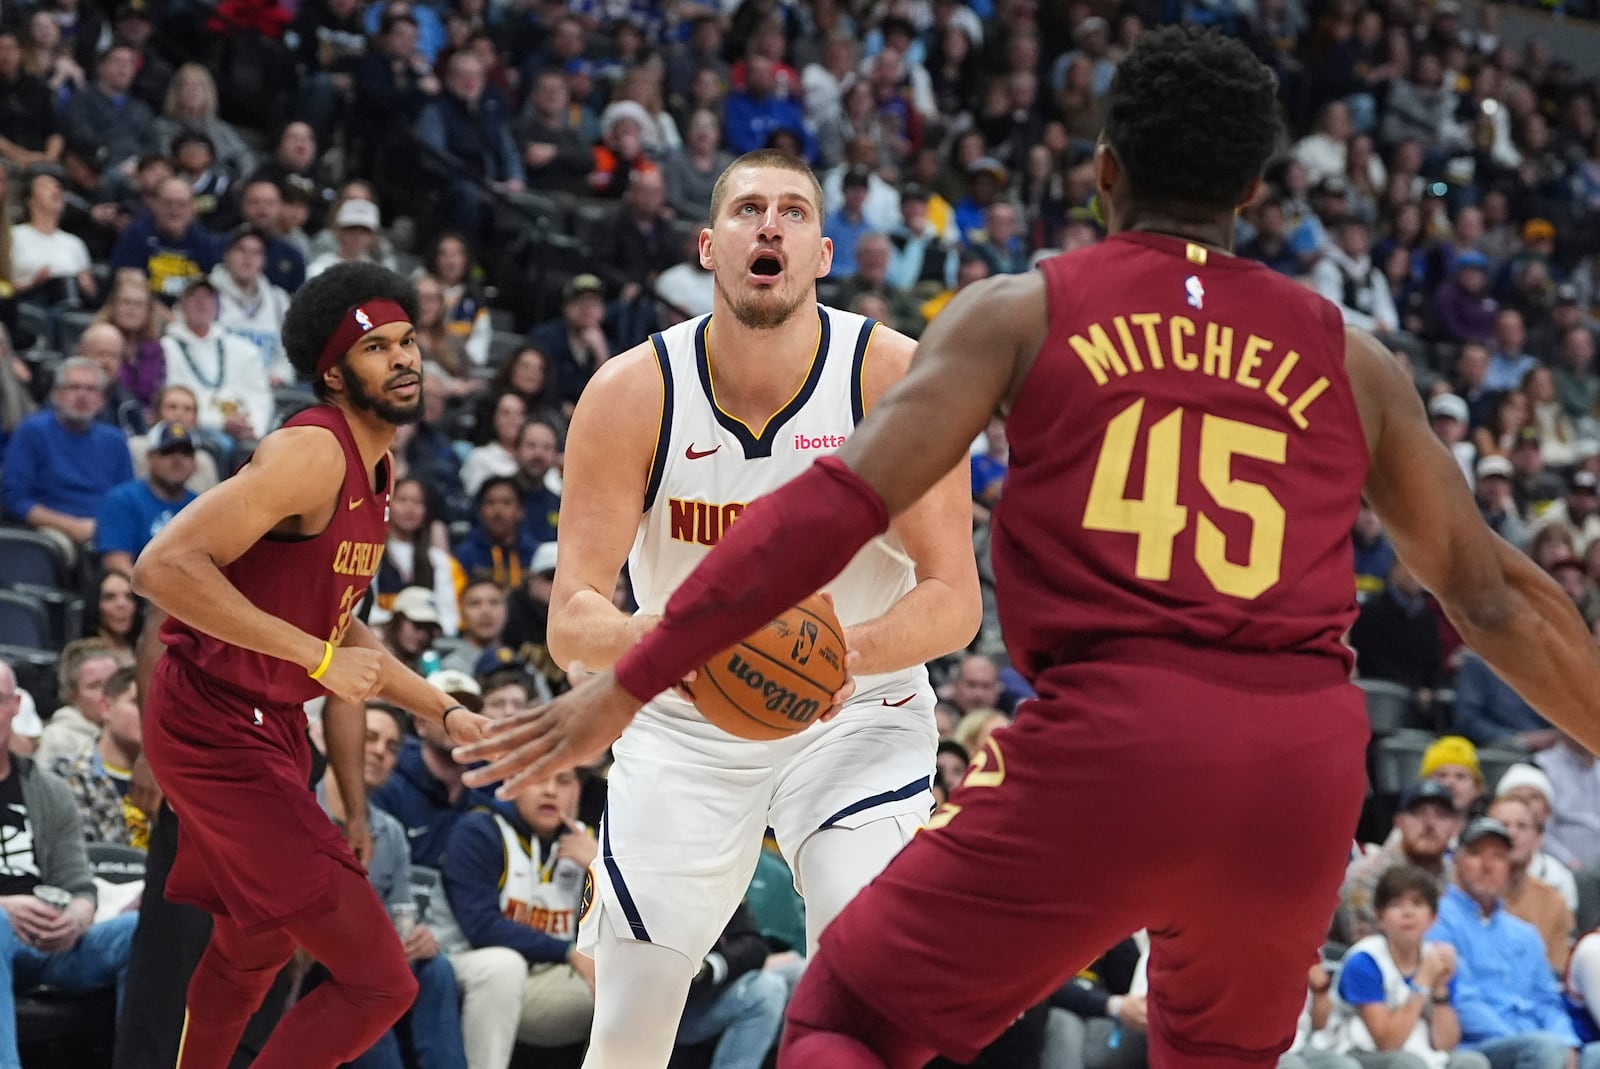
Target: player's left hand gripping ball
533, 746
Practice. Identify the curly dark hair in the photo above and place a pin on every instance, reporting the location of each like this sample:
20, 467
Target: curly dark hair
320, 303
1193, 116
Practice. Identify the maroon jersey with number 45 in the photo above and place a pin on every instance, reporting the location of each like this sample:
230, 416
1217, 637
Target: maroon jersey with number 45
315, 582
1186, 463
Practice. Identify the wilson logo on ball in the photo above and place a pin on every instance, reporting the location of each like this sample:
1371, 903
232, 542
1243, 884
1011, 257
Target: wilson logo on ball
776, 697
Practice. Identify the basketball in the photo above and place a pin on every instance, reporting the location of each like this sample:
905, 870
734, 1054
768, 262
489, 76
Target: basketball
778, 680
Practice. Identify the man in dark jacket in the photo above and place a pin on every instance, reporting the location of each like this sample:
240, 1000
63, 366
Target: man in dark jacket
46, 941
735, 998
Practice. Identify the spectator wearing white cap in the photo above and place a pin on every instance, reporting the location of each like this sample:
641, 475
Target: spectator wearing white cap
355, 233
1572, 835
1497, 499
1530, 786
413, 625
1450, 418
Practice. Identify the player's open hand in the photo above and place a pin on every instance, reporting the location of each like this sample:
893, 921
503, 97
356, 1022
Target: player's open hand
533, 746
353, 673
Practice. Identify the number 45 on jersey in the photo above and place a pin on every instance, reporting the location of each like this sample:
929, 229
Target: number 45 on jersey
1156, 518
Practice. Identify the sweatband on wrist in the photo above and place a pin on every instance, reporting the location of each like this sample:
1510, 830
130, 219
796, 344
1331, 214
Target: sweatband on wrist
327, 659
770, 559
357, 320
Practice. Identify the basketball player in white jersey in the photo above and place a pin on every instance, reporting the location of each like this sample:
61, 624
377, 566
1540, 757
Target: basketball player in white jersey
668, 443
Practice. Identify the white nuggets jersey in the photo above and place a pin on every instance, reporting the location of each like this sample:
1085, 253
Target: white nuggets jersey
708, 466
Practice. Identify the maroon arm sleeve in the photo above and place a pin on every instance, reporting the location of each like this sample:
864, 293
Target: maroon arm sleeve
785, 547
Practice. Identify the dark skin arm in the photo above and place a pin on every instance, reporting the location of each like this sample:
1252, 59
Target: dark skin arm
967, 366
1505, 607
344, 732
291, 486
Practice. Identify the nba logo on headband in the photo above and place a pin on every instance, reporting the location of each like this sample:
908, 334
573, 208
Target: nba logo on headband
361, 318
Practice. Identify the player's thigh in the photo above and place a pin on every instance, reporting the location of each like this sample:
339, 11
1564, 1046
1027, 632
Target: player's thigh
836, 863
856, 774
679, 843
990, 907
1231, 946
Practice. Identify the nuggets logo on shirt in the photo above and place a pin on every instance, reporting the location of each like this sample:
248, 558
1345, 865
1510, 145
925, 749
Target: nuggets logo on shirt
701, 522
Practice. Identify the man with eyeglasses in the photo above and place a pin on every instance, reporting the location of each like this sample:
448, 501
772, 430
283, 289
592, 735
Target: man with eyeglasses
61, 462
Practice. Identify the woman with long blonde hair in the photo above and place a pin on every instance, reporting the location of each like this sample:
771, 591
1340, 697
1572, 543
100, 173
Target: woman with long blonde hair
191, 106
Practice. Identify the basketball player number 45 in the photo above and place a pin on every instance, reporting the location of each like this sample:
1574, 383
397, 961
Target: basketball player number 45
1156, 518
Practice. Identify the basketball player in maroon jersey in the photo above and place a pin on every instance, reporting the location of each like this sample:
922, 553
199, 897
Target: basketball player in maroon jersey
1191, 436
260, 578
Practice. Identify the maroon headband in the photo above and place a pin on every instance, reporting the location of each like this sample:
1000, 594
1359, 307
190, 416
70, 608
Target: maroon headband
355, 323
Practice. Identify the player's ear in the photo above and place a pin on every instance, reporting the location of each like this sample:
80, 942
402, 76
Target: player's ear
706, 262
1106, 167
333, 379
825, 264
1253, 193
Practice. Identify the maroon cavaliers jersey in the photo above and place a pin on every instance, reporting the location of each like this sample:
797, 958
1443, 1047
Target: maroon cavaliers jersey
314, 582
1186, 463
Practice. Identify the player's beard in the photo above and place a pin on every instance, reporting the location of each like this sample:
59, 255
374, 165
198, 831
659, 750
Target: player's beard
759, 309
362, 401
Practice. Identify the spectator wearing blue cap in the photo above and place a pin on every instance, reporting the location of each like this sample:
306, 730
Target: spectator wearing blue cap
1463, 304
132, 513
1508, 1001
1426, 822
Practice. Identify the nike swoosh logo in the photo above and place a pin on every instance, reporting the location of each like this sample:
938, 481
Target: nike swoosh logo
416, 832
695, 454
898, 704
357, 503
15, 808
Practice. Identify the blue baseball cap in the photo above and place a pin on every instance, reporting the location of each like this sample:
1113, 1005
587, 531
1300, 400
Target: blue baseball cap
171, 438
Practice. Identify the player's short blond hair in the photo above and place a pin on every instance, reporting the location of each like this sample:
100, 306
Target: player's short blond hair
766, 157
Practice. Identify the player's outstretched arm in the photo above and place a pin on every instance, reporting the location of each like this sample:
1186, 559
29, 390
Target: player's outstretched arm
293, 479
1507, 609
610, 445
942, 612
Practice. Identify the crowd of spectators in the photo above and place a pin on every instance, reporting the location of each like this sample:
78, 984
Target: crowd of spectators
171, 173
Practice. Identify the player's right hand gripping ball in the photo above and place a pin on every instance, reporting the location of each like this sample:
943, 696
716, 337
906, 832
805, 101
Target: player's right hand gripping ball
778, 680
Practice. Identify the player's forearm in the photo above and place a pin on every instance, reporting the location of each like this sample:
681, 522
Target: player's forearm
44, 516
589, 629
398, 684
1527, 629
933, 619
190, 586
344, 732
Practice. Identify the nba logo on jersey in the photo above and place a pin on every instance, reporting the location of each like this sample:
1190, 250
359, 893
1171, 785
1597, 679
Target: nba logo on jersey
1196, 292
362, 319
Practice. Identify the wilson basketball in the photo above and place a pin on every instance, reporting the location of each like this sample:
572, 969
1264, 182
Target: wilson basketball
778, 680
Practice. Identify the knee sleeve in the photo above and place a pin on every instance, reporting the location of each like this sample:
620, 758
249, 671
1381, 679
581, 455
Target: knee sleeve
640, 989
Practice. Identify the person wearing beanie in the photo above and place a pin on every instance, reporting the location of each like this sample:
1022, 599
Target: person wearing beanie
1452, 762
1530, 786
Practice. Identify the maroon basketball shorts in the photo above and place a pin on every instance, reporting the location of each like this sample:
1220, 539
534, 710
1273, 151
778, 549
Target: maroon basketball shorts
253, 842
1125, 797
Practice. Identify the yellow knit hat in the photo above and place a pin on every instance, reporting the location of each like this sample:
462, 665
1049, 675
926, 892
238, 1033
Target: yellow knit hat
1451, 750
